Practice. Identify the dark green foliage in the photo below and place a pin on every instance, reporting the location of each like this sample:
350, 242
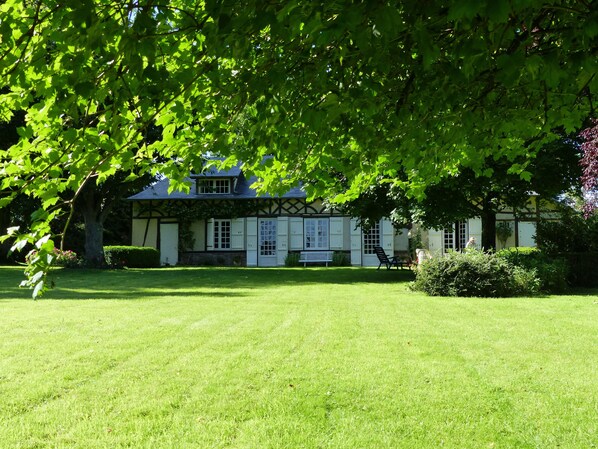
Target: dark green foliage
340, 259
582, 268
575, 239
474, 273
551, 271
569, 233
292, 260
131, 257
190, 211
415, 242
186, 239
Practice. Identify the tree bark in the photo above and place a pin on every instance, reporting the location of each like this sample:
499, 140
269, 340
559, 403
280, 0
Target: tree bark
94, 240
4, 224
488, 226
94, 214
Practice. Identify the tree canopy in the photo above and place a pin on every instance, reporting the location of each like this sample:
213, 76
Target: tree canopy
554, 170
408, 91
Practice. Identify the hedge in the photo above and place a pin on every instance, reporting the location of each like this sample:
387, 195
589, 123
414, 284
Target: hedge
474, 273
131, 256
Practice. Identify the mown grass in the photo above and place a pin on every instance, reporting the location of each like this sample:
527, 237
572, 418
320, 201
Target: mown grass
291, 358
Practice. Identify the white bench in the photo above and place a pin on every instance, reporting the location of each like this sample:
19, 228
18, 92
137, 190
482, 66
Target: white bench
315, 257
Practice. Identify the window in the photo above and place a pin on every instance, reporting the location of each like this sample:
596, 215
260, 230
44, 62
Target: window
371, 238
267, 237
449, 239
316, 233
462, 234
217, 186
222, 234
455, 238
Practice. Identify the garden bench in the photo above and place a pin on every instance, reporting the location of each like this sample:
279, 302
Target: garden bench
315, 257
390, 262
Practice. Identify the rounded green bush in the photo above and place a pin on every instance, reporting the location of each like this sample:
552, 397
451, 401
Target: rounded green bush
474, 274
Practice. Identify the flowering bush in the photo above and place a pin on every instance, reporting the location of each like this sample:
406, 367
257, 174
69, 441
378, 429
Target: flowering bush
67, 259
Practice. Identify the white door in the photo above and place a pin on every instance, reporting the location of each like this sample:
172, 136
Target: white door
169, 243
267, 242
527, 233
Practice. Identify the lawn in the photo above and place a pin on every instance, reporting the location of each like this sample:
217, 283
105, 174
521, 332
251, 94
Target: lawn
291, 358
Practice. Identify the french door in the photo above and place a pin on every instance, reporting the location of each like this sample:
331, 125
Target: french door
267, 242
455, 238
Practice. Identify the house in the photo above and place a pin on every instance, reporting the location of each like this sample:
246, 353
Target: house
223, 221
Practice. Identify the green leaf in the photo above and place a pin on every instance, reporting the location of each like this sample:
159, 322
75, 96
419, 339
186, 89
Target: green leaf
464, 9
498, 10
38, 289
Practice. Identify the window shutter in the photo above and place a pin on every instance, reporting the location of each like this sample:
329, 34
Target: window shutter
296, 240
237, 237
355, 243
282, 231
251, 241
388, 234
336, 233
210, 236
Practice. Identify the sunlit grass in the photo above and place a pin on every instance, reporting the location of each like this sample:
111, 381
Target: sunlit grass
291, 358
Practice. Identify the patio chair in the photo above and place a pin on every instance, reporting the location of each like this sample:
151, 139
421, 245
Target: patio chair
385, 260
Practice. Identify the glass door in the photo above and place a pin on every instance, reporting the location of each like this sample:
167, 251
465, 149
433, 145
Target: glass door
267, 242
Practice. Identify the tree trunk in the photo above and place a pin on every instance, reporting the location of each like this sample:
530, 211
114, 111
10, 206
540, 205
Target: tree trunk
4, 224
94, 240
488, 226
93, 217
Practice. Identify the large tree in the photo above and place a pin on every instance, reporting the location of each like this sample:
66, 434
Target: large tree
369, 88
466, 194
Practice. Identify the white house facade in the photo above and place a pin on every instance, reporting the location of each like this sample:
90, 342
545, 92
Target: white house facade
515, 228
223, 221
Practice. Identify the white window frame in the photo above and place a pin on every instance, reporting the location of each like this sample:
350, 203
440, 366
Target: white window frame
455, 238
268, 236
222, 233
316, 233
448, 239
217, 186
371, 238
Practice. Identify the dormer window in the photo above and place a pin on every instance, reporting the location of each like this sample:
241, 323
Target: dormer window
213, 186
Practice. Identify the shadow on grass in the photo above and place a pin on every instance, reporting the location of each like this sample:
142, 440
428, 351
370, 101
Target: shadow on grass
137, 284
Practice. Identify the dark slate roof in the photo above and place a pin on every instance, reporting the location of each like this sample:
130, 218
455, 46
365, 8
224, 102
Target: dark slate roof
159, 191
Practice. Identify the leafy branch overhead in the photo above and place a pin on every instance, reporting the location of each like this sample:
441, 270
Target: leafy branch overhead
409, 90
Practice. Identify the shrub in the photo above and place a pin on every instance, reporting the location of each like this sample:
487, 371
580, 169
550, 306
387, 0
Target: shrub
131, 256
574, 239
292, 260
525, 282
473, 273
340, 259
582, 268
570, 233
552, 272
66, 258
